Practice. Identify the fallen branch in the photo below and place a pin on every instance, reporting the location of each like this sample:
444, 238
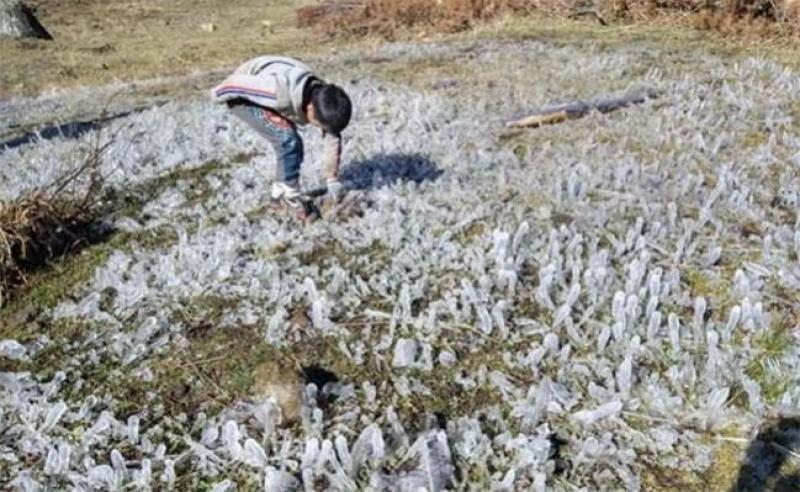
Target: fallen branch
570, 111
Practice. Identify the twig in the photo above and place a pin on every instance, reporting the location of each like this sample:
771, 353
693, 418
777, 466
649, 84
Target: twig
194, 364
784, 450
202, 375
649, 418
738, 440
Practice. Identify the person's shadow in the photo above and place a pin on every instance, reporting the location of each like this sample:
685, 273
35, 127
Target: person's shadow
766, 455
388, 169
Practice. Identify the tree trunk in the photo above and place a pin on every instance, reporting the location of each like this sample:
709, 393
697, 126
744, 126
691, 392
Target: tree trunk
18, 21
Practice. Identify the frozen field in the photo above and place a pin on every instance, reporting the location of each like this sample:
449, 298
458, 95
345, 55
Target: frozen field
605, 304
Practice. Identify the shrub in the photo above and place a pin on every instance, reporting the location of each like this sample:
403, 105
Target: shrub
49, 221
385, 17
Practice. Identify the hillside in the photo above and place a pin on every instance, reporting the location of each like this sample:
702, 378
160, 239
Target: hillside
605, 304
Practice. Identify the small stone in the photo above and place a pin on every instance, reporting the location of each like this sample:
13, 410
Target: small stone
208, 27
281, 384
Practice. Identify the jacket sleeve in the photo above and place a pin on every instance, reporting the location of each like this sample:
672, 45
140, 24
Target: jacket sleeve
331, 155
267, 91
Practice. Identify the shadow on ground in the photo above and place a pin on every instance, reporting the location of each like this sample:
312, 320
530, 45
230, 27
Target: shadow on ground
388, 169
68, 130
767, 456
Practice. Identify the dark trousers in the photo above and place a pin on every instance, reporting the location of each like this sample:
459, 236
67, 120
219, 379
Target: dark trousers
281, 134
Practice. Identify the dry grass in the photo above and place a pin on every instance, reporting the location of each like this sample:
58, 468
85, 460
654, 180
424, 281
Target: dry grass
738, 22
776, 11
108, 41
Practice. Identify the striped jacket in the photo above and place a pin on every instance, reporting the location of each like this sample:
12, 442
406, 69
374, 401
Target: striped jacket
273, 82
278, 83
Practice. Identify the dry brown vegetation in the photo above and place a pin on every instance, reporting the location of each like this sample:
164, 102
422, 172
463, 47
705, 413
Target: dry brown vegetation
49, 222
740, 21
386, 17
751, 20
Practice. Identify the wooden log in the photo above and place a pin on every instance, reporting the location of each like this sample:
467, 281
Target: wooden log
557, 113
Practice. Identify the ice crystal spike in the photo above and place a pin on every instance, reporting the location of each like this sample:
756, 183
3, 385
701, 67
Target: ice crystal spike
624, 376
589, 417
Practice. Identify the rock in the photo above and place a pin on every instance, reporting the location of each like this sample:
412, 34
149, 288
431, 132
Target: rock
283, 385
444, 84
18, 21
208, 27
12, 349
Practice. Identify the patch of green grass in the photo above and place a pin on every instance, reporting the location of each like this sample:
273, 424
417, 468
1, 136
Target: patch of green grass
51, 285
560, 30
48, 361
701, 283
55, 283
754, 138
213, 371
721, 475
768, 349
714, 284
147, 39
362, 260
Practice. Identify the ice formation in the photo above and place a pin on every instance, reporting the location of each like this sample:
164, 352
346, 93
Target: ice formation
612, 282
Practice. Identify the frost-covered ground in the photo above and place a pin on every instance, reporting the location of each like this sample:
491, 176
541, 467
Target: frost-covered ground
580, 307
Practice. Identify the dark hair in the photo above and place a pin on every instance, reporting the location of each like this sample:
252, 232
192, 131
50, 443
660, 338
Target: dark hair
332, 107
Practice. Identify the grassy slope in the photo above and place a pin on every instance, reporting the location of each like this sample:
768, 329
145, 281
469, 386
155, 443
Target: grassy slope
100, 42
